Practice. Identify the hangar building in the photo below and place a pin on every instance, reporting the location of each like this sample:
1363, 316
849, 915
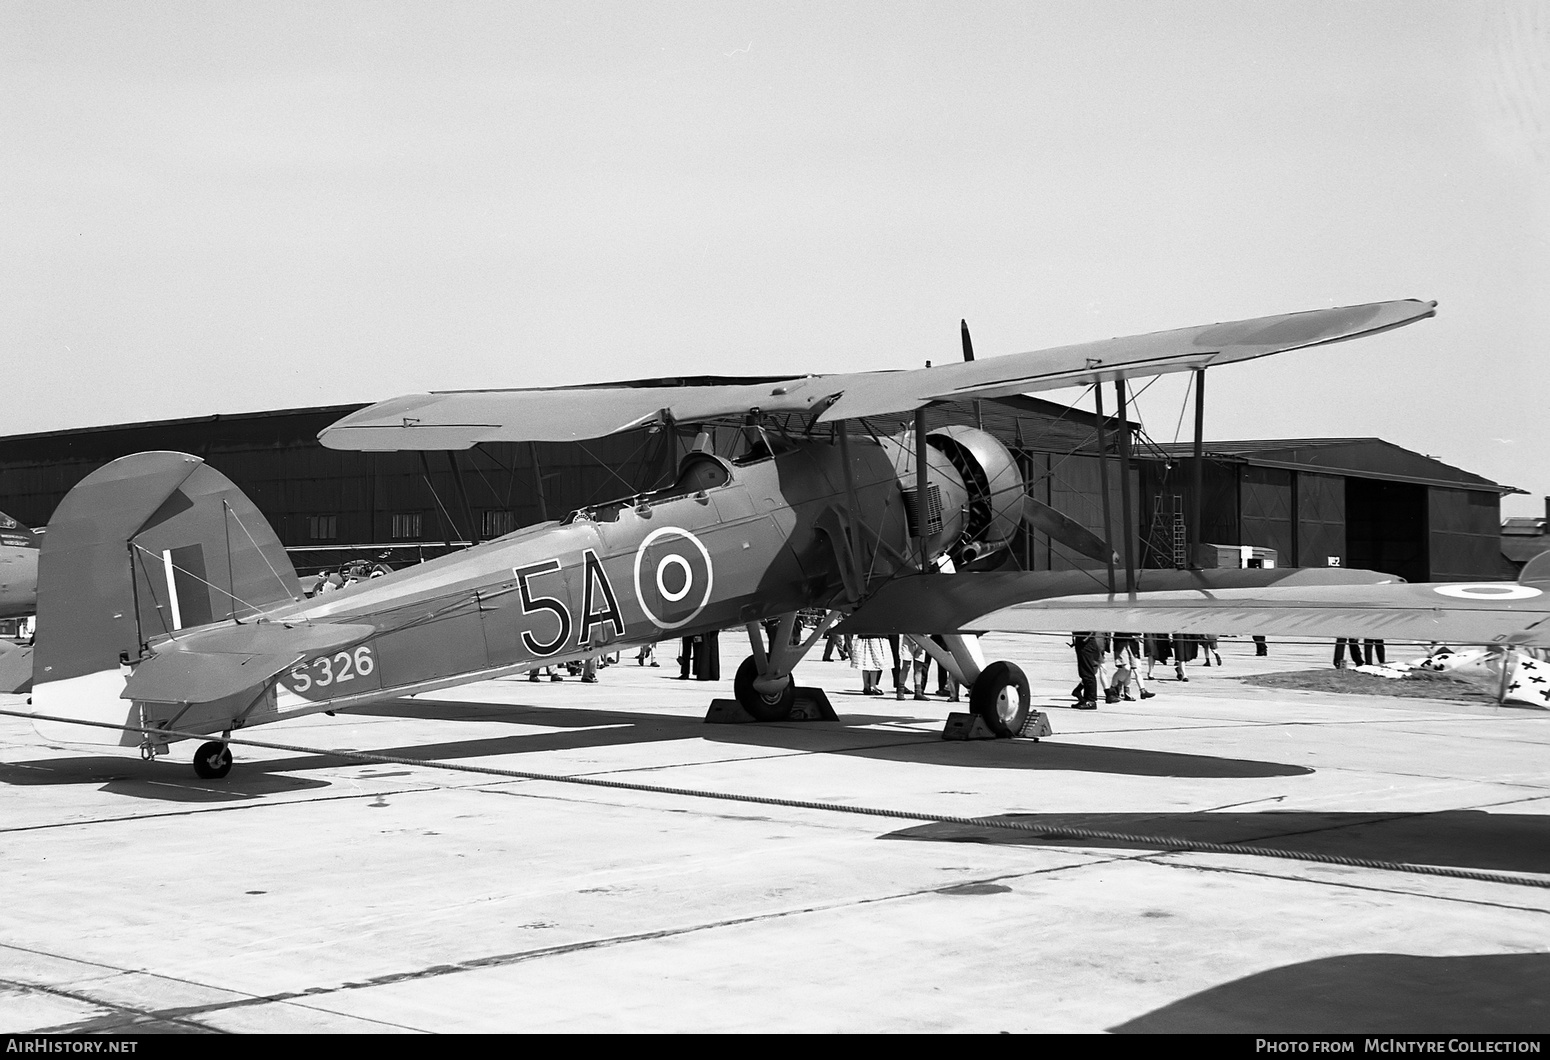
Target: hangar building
1355, 501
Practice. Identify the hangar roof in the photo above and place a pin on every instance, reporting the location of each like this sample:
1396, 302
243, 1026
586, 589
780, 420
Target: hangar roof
1352, 457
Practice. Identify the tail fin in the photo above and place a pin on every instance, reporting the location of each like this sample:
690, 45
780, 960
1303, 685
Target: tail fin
141, 548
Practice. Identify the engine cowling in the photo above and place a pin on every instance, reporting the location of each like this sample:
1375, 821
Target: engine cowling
975, 500
994, 484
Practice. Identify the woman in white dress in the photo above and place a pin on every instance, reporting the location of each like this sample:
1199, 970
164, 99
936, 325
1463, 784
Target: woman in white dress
871, 656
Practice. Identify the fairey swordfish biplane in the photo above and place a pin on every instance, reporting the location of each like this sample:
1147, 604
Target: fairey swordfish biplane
167, 607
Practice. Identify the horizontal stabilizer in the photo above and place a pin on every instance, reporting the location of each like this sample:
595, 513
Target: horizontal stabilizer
954, 603
215, 663
1448, 612
463, 419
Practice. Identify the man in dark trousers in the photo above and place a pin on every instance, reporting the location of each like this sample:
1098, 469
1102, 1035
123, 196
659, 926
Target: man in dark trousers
1341, 644
1089, 656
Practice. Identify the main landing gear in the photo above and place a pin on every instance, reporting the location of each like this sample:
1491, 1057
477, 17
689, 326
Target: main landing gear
763, 685
998, 692
213, 760
999, 695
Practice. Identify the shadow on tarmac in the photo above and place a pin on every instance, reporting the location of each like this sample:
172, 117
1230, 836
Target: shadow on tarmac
591, 728
851, 736
1370, 993
1467, 839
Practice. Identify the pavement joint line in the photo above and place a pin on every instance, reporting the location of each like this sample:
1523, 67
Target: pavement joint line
1162, 859
193, 811
1173, 843
183, 1013
114, 1008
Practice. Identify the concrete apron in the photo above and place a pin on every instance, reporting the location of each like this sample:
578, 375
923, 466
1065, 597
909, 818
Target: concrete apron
313, 893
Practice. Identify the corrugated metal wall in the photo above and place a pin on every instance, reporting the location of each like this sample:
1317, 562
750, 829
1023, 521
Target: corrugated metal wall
1465, 540
1265, 505
1320, 519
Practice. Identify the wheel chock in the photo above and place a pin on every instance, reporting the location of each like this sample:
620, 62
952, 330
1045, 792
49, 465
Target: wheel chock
812, 704
809, 704
1037, 725
726, 712
973, 727
966, 727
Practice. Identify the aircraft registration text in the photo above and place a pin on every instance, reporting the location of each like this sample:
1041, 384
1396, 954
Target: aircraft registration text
339, 674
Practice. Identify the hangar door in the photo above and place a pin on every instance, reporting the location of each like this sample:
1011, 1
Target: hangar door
1265, 510
1386, 527
1465, 535
1320, 519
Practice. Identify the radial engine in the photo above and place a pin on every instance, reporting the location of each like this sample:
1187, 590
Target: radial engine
975, 490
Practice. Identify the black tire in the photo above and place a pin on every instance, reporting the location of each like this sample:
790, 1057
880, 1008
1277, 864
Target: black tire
1000, 697
762, 707
213, 760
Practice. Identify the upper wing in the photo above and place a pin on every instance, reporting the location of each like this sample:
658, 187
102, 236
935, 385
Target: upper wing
462, 419
1450, 612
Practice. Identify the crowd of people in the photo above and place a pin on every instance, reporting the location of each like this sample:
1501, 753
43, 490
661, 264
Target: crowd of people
1108, 665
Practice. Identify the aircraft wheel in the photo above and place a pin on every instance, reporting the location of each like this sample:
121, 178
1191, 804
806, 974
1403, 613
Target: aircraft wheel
764, 707
1000, 697
213, 760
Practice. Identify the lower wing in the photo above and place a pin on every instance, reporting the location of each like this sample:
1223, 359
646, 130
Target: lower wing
1507, 613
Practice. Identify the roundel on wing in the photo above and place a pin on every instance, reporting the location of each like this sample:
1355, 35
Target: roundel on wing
1489, 591
673, 576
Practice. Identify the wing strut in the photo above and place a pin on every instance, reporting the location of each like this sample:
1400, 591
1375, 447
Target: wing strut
1124, 487
1192, 534
923, 493
1103, 486
462, 496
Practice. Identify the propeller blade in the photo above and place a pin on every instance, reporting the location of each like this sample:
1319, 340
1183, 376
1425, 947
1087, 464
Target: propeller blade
968, 345
1068, 532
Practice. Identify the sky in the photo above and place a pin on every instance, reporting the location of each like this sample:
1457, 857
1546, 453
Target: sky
215, 208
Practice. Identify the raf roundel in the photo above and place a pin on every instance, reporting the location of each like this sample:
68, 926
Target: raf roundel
673, 577
1489, 591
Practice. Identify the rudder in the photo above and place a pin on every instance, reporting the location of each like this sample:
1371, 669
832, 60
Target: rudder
140, 549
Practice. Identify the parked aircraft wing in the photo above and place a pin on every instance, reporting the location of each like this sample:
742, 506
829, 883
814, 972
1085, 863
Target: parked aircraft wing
462, 419
1449, 612
212, 663
970, 602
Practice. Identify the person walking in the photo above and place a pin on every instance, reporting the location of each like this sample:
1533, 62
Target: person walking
1127, 670
1089, 656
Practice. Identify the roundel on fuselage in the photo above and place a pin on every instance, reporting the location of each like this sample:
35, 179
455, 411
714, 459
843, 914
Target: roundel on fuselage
673, 577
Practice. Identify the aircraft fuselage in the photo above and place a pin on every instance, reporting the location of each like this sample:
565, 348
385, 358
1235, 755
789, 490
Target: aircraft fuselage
726, 545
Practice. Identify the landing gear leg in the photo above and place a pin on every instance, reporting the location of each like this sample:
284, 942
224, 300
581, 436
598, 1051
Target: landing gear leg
763, 685
998, 693
213, 760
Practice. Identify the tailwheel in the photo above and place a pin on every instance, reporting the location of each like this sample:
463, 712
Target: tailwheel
764, 706
1000, 697
213, 760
